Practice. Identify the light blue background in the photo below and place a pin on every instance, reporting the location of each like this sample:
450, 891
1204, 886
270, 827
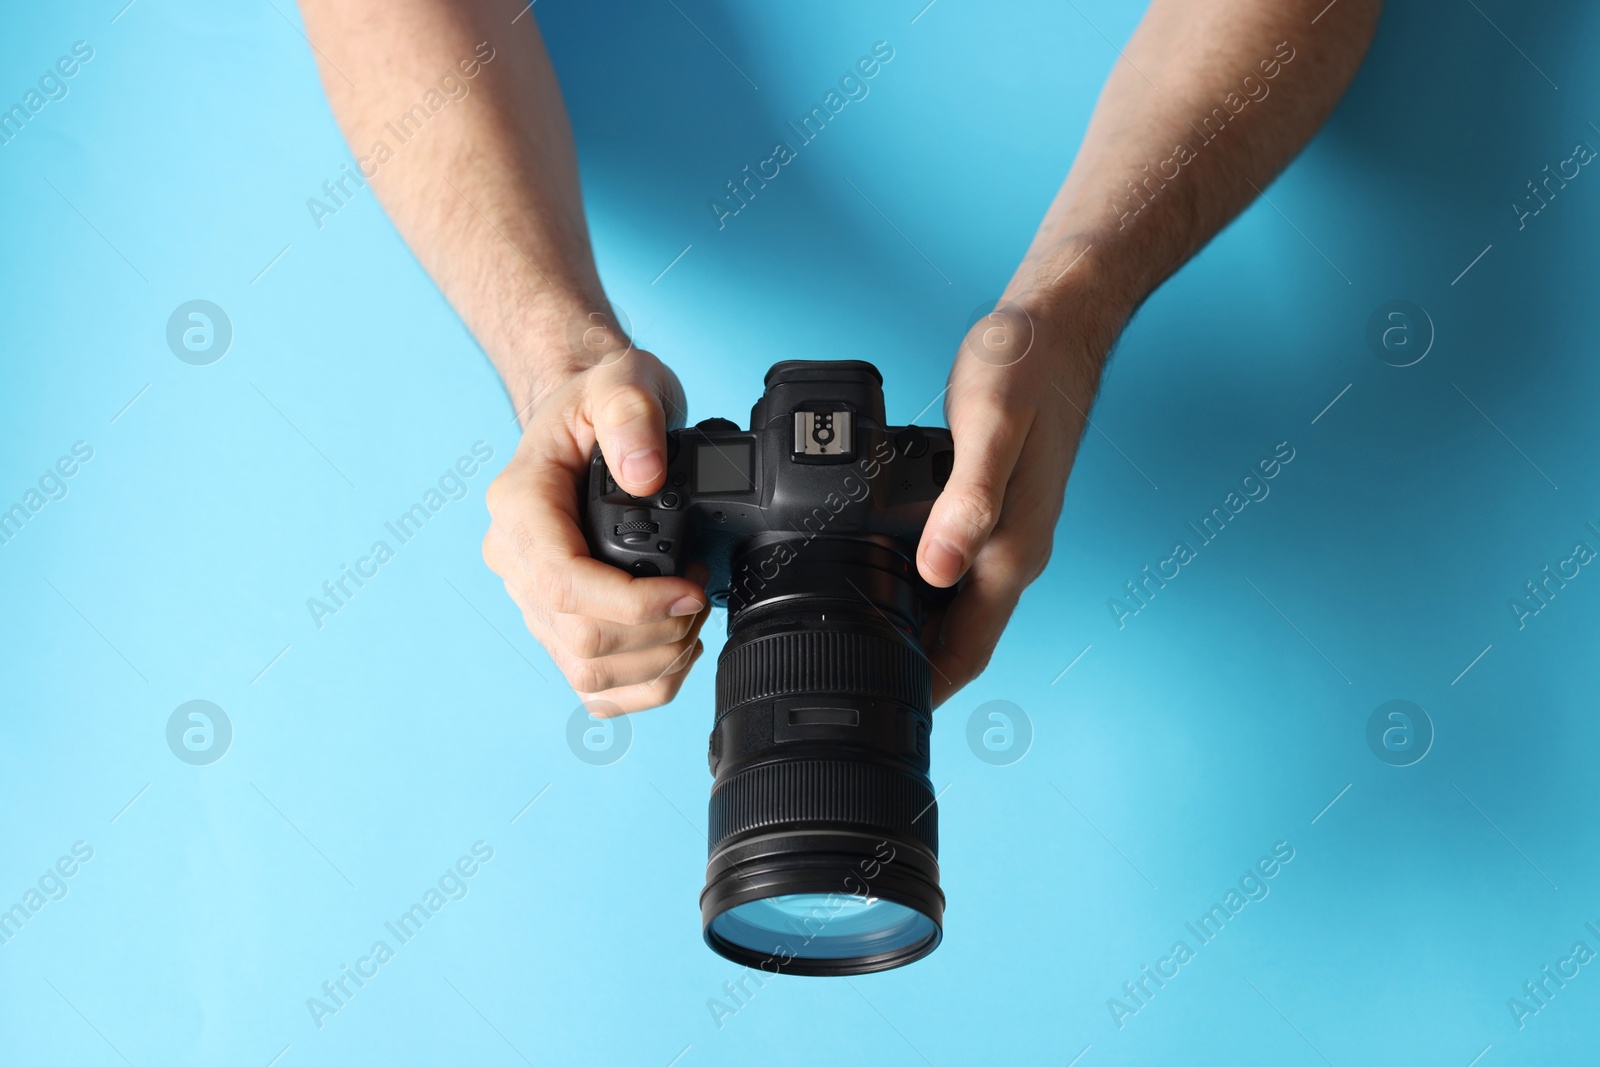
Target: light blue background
423, 718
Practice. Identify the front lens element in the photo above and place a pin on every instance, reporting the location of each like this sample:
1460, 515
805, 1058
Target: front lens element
823, 926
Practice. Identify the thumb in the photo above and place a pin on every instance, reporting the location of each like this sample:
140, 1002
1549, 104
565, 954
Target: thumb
965, 513
630, 424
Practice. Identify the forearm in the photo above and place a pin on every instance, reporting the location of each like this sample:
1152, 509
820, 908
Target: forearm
485, 188
1212, 100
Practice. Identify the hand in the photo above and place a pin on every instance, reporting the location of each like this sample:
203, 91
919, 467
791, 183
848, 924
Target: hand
1018, 398
623, 642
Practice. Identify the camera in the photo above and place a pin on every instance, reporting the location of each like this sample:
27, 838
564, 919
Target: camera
823, 826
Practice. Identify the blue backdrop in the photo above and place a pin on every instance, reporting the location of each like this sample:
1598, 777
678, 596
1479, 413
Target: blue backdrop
194, 883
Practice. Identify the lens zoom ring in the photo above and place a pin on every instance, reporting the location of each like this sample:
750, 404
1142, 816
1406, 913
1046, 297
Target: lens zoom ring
878, 799
822, 661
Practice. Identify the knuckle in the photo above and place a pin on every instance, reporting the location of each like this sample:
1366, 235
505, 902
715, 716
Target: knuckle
970, 663
637, 609
682, 653
1017, 563
976, 509
495, 496
1012, 560
522, 537
662, 690
627, 405
491, 554
551, 588
583, 636
588, 676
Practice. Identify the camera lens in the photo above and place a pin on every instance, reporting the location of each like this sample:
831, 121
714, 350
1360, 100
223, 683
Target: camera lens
823, 823
855, 928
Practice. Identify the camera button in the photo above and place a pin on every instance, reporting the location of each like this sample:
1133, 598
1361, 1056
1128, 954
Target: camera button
637, 528
911, 442
669, 501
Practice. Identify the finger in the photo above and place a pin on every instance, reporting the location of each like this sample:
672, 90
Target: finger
988, 440
657, 689
649, 694
624, 669
549, 586
630, 422
1014, 555
541, 551
972, 627
587, 637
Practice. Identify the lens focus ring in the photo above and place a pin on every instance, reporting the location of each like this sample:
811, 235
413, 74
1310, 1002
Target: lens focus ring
879, 799
822, 661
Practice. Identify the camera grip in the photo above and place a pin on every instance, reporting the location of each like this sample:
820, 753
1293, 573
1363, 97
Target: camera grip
641, 535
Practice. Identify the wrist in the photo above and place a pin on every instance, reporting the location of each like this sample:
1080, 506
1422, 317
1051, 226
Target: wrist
1084, 275
558, 337
1077, 299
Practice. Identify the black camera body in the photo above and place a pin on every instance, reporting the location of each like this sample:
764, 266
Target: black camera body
817, 461
823, 823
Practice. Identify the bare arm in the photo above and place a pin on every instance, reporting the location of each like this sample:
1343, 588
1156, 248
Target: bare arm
486, 193
1211, 100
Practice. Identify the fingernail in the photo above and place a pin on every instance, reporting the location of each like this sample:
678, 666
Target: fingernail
687, 605
641, 466
943, 560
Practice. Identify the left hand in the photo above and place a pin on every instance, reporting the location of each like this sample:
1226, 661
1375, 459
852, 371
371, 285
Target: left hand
1019, 394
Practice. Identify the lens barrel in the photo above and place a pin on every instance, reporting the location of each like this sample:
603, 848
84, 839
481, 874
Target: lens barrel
823, 823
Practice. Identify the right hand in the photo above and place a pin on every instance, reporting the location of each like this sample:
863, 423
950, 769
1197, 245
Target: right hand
623, 642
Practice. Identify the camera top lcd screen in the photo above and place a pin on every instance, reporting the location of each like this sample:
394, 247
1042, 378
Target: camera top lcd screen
724, 467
